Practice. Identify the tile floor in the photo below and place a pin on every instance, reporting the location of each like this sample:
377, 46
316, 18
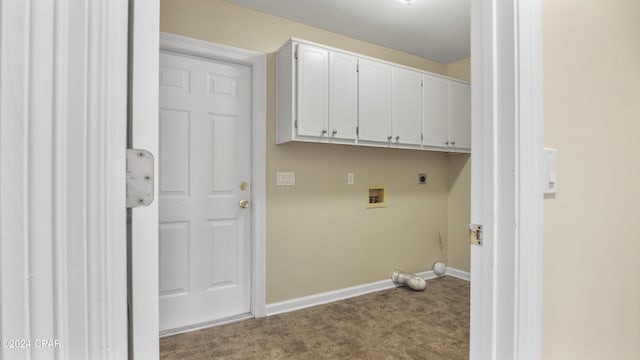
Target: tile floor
392, 324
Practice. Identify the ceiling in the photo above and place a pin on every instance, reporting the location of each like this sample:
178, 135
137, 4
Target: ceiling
435, 29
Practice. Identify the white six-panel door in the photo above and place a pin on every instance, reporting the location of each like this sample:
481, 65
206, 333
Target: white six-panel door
204, 159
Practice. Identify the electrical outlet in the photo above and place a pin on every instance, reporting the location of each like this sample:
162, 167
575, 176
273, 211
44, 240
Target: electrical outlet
422, 179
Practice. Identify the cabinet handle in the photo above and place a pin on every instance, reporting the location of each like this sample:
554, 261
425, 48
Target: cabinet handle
447, 143
324, 131
334, 132
389, 137
397, 138
453, 143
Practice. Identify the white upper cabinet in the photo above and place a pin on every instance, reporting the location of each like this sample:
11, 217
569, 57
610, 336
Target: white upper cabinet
331, 95
435, 102
317, 94
447, 114
406, 106
313, 91
343, 95
374, 95
460, 119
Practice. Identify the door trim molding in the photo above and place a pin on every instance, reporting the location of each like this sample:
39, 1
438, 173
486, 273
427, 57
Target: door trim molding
144, 22
529, 189
63, 110
258, 64
507, 142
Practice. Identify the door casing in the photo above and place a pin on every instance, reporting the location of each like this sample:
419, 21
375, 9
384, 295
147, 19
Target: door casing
506, 89
506, 179
257, 63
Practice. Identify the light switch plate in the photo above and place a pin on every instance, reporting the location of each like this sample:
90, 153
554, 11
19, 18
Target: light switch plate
550, 173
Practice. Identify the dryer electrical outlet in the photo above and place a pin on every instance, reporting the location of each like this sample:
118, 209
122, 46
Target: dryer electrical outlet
422, 179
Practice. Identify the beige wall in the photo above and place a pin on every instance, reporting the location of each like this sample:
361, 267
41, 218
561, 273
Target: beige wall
226, 23
591, 299
459, 211
460, 69
459, 199
320, 237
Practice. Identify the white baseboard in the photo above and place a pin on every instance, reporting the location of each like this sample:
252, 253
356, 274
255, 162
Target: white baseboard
341, 294
462, 275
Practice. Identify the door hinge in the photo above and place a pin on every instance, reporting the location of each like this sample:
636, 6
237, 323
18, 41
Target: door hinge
139, 178
295, 124
357, 130
422, 83
475, 234
422, 137
295, 54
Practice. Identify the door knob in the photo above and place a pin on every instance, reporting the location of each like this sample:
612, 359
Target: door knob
244, 203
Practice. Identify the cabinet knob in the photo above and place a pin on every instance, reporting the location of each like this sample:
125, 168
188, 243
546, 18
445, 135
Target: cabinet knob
334, 132
324, 131
453, 143
447, 143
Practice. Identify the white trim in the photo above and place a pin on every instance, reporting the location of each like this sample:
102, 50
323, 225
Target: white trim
530, 143
144, 59
507, 147
205, 325
346, 293
258, 64
462, 275
62, 139
105, 178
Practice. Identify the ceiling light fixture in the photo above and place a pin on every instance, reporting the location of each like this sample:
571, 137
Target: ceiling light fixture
408, 2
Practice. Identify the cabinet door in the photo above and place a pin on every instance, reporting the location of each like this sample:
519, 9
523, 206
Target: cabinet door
460, 120
435, 118
343, 95
406, 106
374, 105
312, 90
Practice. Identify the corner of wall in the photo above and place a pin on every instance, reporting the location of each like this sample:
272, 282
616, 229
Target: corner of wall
460, 69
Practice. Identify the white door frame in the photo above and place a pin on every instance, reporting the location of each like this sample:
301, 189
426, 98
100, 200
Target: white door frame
63, 111
507, 145
144, 61
507, 119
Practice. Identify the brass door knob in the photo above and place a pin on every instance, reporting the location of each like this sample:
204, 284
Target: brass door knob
244, 203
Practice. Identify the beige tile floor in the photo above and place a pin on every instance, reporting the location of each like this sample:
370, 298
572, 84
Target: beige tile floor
392, 324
